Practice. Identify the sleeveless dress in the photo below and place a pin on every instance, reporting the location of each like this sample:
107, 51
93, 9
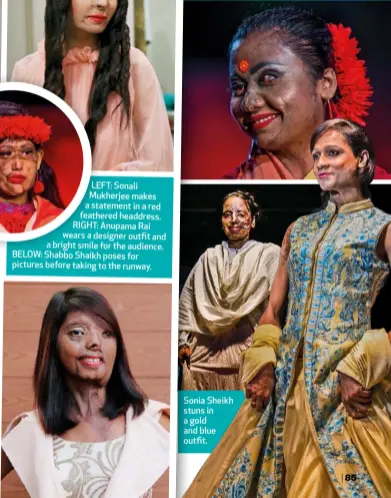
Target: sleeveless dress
129, 466
305, 444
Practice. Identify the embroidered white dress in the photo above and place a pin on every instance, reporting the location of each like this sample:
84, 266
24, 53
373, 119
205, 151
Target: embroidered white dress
124, 467
85, 469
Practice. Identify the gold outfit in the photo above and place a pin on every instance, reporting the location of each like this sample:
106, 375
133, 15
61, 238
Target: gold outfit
305, 444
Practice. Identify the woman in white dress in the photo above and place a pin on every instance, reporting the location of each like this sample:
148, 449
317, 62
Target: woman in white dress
93, 433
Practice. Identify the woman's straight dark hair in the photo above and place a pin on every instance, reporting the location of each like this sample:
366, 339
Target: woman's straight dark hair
112, 71
46, 173
53, 399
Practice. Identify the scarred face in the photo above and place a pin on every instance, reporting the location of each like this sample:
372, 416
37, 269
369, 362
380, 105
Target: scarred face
335, 165
273, 97
87, 348
19, 163
92, 16
237, 220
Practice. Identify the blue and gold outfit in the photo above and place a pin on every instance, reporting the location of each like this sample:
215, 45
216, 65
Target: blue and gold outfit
335, 276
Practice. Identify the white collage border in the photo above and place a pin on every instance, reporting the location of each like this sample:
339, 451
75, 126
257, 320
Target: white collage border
174, 281
191, 462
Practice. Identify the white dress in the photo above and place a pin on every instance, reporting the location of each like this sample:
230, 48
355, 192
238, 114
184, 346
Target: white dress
125, 467
85, 469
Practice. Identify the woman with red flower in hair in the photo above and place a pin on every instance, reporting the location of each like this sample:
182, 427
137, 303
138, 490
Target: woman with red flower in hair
29, 196
290, 72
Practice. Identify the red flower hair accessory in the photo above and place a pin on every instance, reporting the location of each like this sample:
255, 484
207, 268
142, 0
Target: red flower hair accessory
23, 126
354, 86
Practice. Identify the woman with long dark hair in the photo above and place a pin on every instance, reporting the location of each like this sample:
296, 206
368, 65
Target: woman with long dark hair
289, 72
317, 422
93, 432
29, 196
87, 60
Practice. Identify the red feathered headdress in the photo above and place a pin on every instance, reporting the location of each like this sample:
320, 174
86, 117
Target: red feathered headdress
24, 126
354, 86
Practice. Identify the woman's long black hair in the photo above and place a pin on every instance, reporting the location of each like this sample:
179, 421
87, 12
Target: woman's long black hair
113, 67
46, 173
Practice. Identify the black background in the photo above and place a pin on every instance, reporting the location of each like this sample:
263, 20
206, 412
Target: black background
282, 204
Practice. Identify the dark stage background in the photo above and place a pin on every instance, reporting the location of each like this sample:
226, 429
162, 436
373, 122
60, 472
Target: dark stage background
282, 204
63, 151
212, 143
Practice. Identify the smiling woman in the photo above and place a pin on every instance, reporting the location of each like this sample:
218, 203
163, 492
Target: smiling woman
289, 72
224, 298
91, 418
341, 149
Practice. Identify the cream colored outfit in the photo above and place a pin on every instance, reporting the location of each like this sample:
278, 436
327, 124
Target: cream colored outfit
220, 306
130, 467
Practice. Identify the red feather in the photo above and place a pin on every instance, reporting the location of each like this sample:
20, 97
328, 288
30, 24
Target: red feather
28, 127
353, 84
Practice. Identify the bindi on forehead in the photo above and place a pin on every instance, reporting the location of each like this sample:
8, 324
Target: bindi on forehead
244, 66
260, 47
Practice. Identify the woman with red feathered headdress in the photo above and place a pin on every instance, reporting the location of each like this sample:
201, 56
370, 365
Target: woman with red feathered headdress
290, 72
29, 196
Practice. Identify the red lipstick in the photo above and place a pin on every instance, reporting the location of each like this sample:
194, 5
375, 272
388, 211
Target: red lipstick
261, 120
16, 179
97, 19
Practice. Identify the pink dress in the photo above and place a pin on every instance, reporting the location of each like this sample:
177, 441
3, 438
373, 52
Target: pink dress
146, 144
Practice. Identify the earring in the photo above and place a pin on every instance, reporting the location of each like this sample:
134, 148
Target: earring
330, 114
39, 187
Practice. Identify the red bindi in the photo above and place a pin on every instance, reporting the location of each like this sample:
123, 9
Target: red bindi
244, 66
